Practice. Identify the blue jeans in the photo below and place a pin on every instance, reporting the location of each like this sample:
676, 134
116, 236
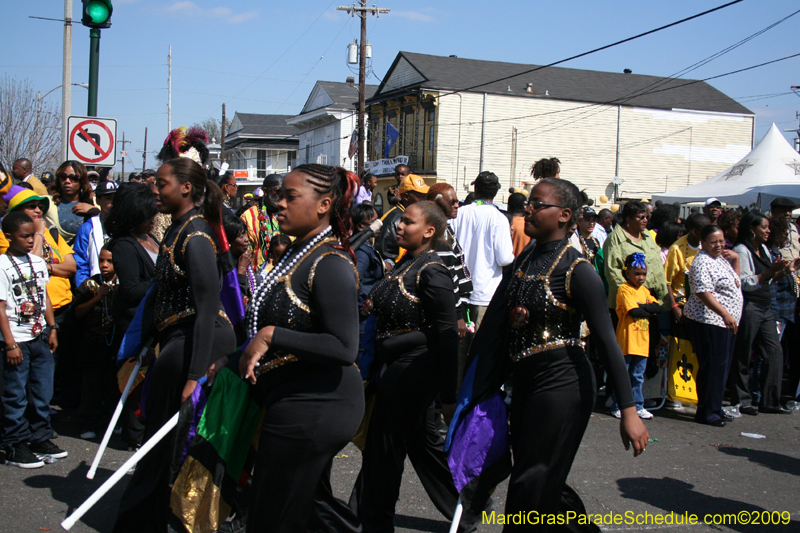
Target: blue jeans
27, 395
636, 365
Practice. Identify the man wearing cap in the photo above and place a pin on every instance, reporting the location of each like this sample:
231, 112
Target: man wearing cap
586, 223
134, 177
48, 180
91, 236
23, 171
485, 235
782, 208
411, 190
94, 178
260, 219
713, 209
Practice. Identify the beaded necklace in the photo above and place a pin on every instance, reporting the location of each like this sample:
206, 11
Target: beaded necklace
287, 262
485, 202
251, 279
33, 307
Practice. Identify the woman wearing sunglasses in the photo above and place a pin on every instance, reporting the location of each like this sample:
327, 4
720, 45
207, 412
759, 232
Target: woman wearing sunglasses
626, 238
72, 199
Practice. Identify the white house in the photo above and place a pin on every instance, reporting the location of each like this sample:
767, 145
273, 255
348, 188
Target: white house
326, 123
259, 145
457, 117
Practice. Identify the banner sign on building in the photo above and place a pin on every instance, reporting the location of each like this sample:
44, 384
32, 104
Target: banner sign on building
386, 166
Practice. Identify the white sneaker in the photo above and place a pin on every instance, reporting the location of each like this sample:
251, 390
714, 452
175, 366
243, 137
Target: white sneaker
732, 410
644, 414
616, 413
88, 434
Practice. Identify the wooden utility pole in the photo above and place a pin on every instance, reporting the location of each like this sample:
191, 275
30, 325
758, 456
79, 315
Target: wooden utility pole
123, 153
169, 90
222, 134
362, 11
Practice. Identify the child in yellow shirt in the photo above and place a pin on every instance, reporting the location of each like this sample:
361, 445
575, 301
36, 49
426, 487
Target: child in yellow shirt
635, 305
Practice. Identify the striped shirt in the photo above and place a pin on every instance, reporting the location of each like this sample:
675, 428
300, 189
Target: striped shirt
453, 259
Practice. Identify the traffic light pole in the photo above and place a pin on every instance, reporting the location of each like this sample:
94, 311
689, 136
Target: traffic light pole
94, 64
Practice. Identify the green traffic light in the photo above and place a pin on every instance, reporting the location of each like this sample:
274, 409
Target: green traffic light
98, 11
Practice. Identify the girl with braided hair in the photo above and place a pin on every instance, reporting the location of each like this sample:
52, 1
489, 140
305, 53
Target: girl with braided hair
192, 331
303, 327
417, 339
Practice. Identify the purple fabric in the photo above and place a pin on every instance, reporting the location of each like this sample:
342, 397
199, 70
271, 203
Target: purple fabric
363, 195
231, 296
480, 440
198, 399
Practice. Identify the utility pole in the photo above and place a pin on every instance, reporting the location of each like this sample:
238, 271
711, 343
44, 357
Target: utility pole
144, 152
222, 134
362, 11
66, 78
169, 89
123, 153
794, 89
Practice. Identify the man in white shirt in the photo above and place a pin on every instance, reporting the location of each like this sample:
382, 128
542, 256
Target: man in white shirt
603, 227
485, 236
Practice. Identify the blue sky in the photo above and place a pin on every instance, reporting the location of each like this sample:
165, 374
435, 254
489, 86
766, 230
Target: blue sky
262, 56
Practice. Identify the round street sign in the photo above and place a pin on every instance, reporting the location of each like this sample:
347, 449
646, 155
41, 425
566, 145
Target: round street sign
93, 140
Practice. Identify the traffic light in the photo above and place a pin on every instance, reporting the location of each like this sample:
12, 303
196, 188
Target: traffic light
97, 13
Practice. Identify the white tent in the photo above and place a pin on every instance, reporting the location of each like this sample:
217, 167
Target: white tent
771, 170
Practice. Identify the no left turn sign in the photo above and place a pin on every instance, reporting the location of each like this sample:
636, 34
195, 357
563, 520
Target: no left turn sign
92, 140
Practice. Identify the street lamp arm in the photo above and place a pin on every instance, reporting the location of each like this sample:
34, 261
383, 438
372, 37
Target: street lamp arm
84, 85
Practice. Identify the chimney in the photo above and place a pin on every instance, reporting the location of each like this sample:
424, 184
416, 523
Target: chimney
627, 71
529, 88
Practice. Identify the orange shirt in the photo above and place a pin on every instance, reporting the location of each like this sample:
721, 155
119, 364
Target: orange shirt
518, 237
633, 334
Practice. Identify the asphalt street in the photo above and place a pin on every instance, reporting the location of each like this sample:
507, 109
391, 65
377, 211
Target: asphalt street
688, 468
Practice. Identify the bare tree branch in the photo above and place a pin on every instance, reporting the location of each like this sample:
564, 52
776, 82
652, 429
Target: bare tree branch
24, 132
212, 127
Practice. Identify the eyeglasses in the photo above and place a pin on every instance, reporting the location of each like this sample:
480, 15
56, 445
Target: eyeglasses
644, 216
536, 205
64, 177
34, 205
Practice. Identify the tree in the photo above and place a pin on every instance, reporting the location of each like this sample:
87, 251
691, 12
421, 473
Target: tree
212, 127
28, 128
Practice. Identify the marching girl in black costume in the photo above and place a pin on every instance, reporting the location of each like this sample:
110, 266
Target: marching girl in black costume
303, 327
417, 338
193, 330
533, 326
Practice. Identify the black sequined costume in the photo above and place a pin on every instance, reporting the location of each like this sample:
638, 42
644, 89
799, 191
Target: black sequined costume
311, 391
193, 331
417, 338
553, 381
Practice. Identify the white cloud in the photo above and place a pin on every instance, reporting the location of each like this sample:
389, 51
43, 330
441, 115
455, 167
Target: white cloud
413, 15
187, 8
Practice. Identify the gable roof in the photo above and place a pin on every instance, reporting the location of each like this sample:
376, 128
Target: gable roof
261, 125
335, 94
412, 71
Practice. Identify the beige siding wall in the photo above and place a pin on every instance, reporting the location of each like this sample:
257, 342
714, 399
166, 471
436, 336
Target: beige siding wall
655, 146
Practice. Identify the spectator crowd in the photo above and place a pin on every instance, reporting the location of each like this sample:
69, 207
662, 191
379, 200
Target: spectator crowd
437, 277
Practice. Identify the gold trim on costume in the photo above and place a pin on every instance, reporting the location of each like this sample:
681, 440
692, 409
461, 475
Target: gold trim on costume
313, 270
272, 364
161, 326
569, 273
552, 345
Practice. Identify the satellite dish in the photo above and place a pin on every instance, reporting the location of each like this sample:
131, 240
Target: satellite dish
617, 180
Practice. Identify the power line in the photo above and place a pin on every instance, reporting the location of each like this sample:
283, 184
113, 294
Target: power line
285, 52
606, 47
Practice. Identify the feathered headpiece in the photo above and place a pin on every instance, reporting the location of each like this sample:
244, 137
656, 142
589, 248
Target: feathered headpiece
183, 142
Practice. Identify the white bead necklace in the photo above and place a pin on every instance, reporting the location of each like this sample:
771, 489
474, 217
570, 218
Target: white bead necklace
287, 262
